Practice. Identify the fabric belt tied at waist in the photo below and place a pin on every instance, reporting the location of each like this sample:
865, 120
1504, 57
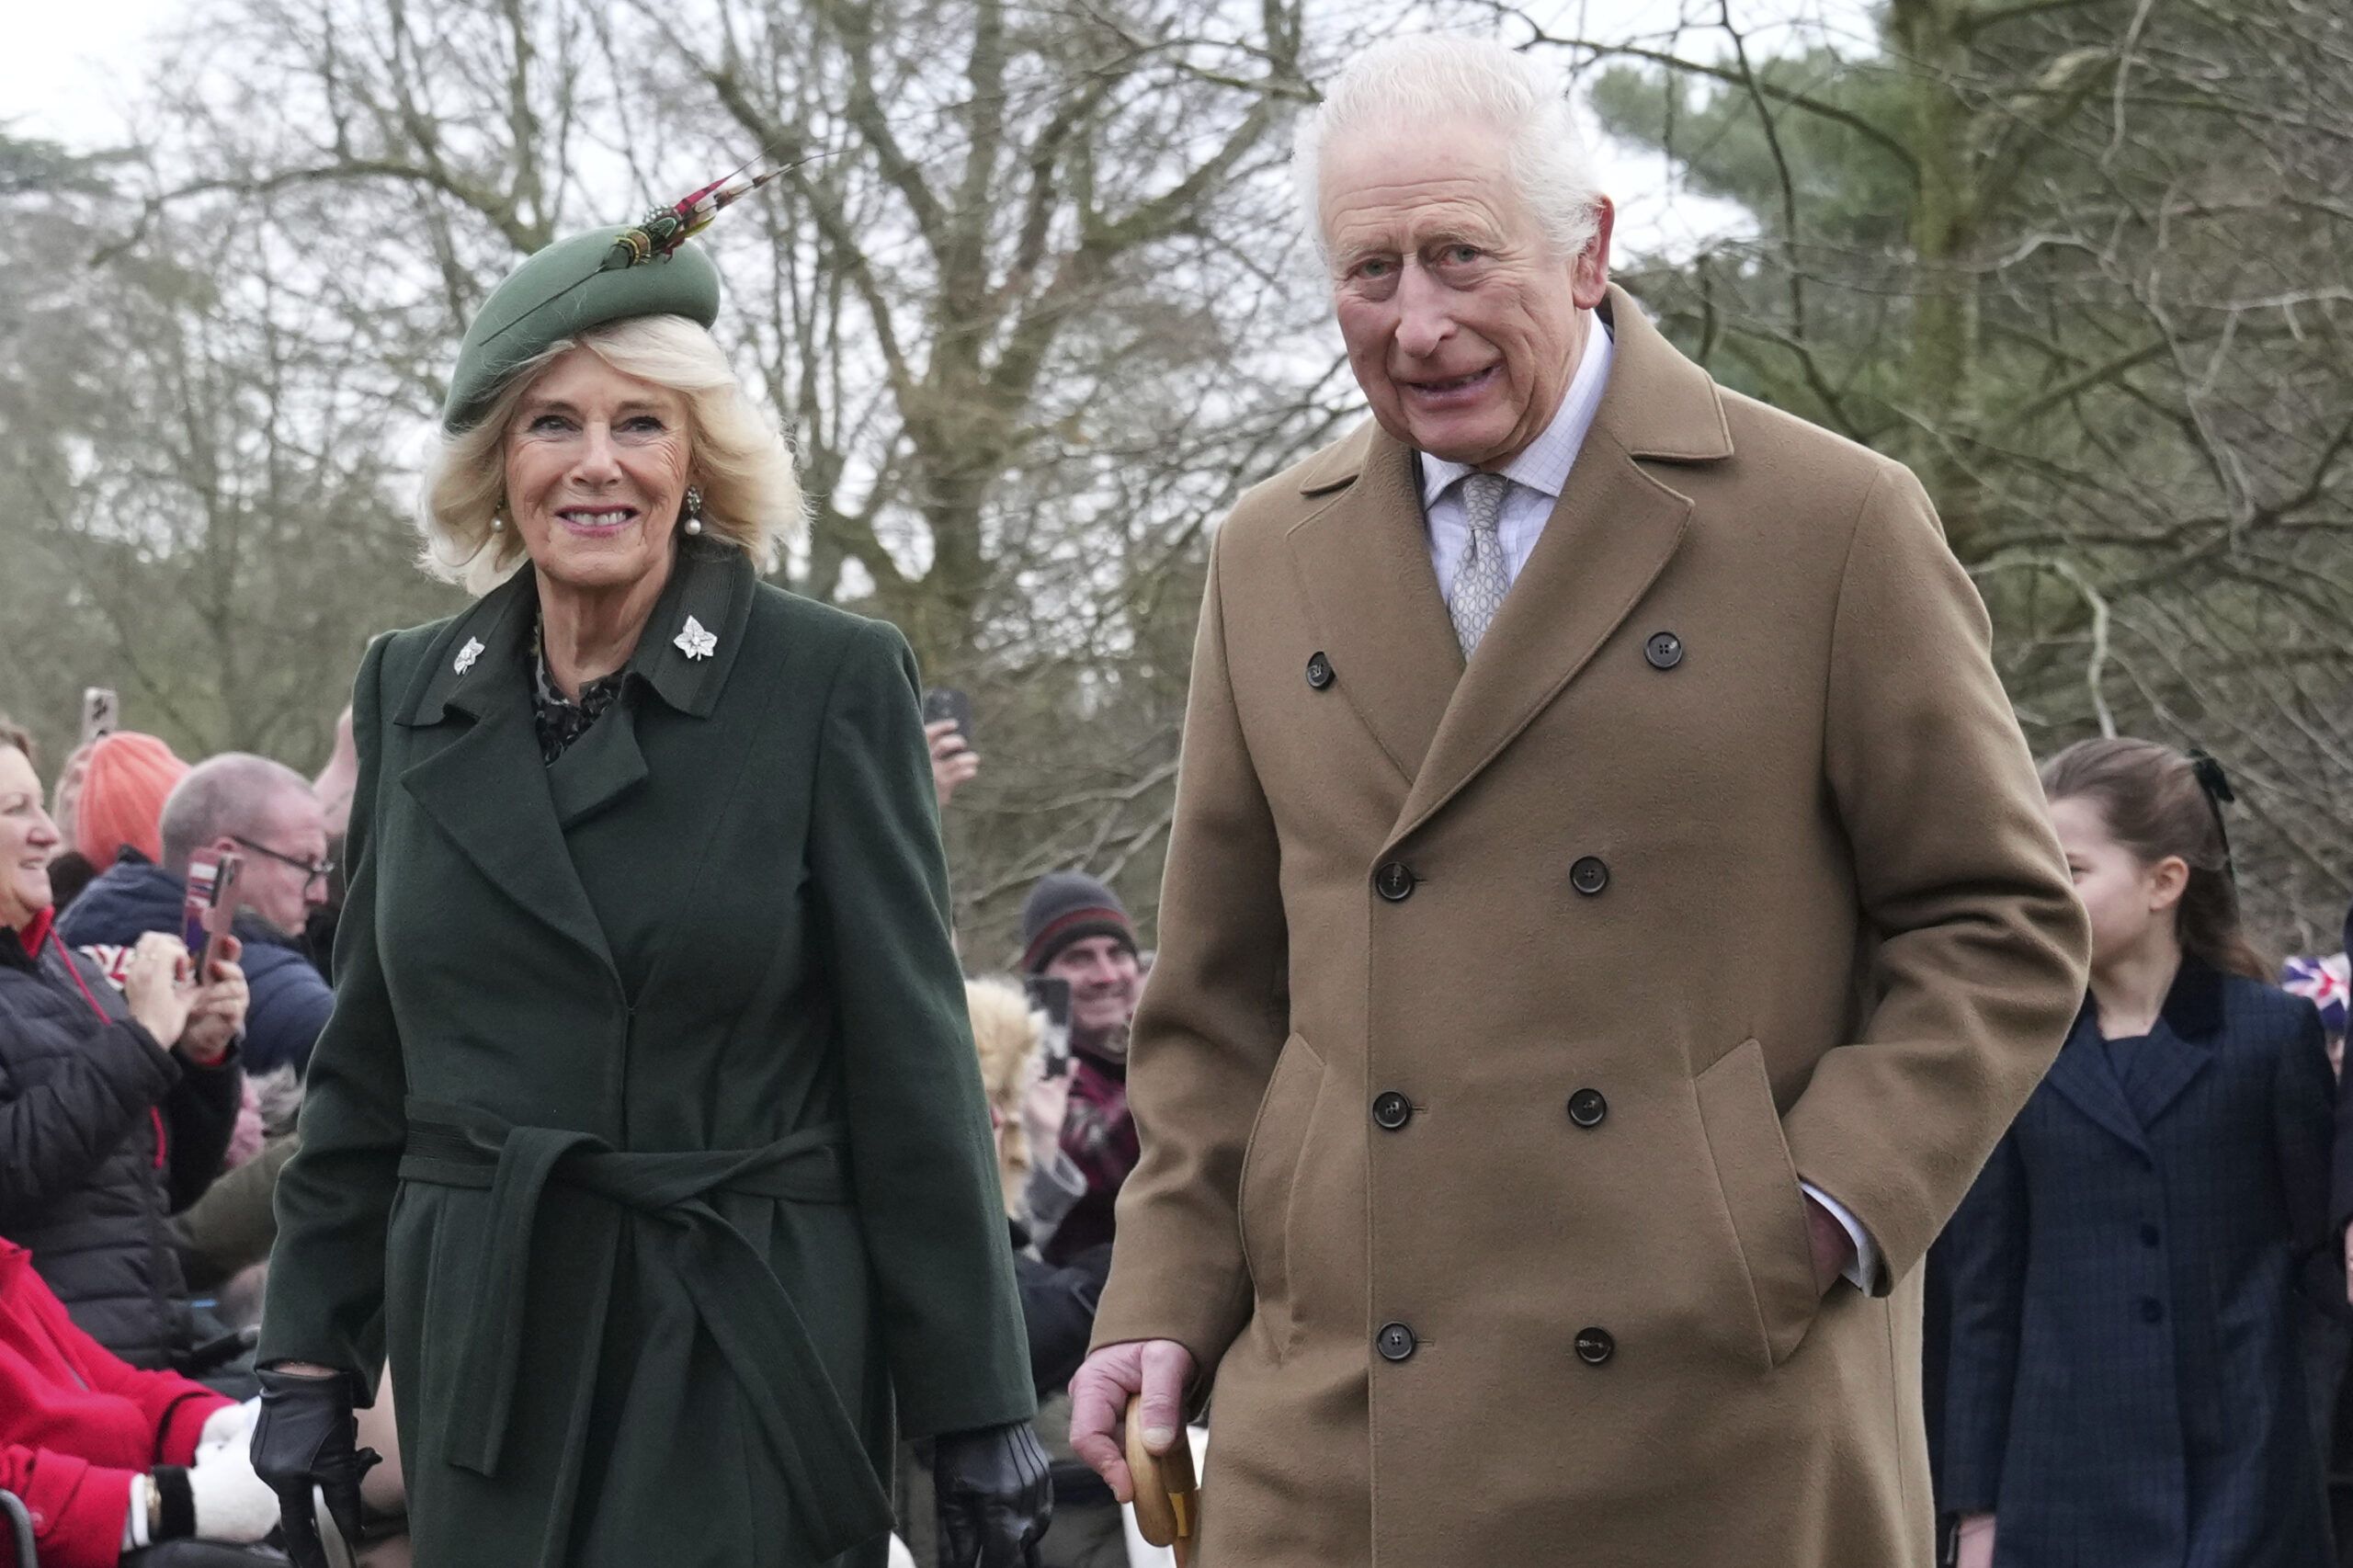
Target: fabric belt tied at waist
835, 1492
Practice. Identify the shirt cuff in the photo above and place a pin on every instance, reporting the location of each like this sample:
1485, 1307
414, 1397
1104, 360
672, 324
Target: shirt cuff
134, 1524
1862, 1270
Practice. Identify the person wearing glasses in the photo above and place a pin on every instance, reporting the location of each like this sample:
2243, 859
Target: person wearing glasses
116, 1106
268, 814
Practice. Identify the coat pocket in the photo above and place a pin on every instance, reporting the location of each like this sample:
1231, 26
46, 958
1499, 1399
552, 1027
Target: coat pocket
1269, 1173
1759, 1183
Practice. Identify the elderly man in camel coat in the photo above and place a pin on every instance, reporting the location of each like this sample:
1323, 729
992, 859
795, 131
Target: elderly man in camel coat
1610, 918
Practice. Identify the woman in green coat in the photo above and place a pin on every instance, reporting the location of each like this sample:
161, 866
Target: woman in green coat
646, 1138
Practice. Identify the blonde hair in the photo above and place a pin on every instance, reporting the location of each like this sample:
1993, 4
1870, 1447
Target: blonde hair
737, 458
1007, 1034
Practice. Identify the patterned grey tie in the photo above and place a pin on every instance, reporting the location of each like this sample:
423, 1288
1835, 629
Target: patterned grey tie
1479, 577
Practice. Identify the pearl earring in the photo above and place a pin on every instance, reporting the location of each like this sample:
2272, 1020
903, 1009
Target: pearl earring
498, 515
693, 510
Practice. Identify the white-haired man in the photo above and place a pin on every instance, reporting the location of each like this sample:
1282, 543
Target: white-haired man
1609, 917
269, 815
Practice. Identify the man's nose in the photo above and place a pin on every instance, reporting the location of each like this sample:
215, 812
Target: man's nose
1425, 312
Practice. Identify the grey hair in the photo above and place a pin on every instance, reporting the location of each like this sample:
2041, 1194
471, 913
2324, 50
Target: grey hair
1426, 77
228, 796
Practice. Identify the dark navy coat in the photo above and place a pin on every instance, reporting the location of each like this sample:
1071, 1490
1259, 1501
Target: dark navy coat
2125, 1387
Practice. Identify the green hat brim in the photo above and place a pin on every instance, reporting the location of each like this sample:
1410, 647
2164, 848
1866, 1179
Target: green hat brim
561, 292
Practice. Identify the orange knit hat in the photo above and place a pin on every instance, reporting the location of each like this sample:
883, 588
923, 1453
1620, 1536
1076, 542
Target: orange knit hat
122, 797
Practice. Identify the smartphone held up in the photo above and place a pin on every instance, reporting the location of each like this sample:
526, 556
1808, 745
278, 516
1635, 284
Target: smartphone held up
212, 905
101, 713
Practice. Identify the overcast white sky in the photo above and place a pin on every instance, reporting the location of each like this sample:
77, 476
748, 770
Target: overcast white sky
80, 61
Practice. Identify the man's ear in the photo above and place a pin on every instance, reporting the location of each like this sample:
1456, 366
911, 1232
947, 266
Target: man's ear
1590, 282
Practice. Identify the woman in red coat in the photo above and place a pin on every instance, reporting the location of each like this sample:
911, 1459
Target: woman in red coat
109, 1458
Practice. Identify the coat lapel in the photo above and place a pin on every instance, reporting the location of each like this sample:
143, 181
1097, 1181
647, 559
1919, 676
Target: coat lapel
487, 787
1364, 564
1611, 533
2081, 1073
704, 606
2182, 1045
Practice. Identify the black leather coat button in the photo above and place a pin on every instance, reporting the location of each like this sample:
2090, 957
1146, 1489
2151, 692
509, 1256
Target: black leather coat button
1587, 1107
1594, 1346
2151, 1310
1589, 876
1395, 1342
1319, 670
1664, 649
1392, 1110
1394, 881
2149, 1236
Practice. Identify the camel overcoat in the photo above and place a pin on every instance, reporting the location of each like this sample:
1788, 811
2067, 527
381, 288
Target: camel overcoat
646, 1136
1500, 1012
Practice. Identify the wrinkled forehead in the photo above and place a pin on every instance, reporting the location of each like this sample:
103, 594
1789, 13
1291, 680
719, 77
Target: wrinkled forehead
1419, 183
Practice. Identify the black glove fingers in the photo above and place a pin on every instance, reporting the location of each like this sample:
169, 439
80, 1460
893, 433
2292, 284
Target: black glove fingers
296, 1518
960, 1536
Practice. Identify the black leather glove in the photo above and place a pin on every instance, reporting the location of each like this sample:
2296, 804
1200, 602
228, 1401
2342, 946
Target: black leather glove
995, 1496
307, 1437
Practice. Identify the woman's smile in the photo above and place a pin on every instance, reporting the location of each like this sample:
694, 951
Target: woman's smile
597, 520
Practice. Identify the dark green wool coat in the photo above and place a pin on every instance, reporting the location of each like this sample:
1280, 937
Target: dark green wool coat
647, 1136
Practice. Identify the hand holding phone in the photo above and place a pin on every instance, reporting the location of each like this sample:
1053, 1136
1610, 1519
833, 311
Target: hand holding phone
1049, 993
945, 704
210, 906
101, 713
217, 1001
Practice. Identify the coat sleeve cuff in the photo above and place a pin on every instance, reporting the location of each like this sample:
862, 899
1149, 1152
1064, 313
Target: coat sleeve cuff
1862, 1270
79, 1510
183, 1427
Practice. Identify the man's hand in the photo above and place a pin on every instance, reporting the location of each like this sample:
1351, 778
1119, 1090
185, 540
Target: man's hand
1834, 1249
953, 762
1976, 1542
1157, 1369
217, 1012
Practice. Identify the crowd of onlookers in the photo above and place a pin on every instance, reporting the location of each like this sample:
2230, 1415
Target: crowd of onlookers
2141, 1310
145, 1111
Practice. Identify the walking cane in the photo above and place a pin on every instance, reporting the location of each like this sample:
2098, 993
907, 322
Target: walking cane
1168, 1499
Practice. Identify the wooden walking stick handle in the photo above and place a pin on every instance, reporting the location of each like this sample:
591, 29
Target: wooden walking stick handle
1168, 1499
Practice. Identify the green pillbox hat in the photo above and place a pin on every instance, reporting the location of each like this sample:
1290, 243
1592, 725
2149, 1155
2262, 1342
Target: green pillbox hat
577, 283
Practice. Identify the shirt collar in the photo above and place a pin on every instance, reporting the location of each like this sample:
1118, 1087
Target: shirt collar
1544, 466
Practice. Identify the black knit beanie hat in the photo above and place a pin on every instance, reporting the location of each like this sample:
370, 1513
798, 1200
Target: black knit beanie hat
1067, 907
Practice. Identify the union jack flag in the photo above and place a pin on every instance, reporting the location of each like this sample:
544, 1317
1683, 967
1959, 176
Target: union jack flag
2326, 983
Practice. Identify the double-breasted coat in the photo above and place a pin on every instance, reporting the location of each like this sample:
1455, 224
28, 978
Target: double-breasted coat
2126, 1384
1499, 1011
647, 1133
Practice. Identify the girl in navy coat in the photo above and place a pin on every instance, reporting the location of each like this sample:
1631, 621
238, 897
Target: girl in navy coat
2124, 1389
